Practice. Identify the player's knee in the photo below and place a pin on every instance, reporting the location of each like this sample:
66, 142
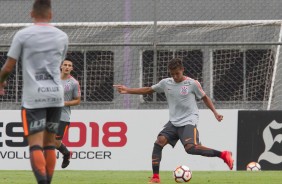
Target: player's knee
161, 140
49, 140
58, 143
190, 148
35, 147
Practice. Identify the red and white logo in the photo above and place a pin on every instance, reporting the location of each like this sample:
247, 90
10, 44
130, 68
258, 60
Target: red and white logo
184, 90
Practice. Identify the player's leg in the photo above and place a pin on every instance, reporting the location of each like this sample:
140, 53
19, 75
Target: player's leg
49, 153
167, 135
63, 127
189, 137
34, 124
52, 125
157, 157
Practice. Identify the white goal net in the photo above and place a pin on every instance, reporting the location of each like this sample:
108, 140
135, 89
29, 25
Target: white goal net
238, 63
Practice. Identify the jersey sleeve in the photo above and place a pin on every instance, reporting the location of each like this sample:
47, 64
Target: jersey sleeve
159, 87
16, 48
76, 90
198, 90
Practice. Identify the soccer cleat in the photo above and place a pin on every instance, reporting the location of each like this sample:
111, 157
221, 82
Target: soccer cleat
227, 157
154, 180
66, 160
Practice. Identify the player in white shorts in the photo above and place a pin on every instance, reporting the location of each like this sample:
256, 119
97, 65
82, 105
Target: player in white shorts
40, 48
72, 96
182, 94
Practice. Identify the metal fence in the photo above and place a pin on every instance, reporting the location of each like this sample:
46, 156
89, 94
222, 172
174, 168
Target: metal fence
130, 42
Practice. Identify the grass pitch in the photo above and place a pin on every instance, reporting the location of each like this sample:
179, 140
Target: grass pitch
141, 177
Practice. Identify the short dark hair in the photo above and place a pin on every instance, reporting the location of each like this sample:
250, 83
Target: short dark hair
41, 7
67, 59
175, 63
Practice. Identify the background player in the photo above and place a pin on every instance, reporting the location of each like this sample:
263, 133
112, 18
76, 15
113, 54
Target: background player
41, 48
72, 97
181, 93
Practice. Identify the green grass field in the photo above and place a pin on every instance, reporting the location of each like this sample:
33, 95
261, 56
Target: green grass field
141, 177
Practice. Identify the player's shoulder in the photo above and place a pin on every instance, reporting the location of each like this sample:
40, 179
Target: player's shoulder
24, 33
25, 30
167, 81
36, 28
190, 81
73, 79
59, 31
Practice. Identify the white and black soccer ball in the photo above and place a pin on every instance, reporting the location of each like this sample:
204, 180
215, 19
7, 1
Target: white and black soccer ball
253, 166
182, 174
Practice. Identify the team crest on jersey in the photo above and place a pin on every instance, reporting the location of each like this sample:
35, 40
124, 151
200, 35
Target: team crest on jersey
184, 90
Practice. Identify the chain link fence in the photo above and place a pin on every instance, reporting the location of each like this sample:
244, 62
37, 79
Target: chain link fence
130, 42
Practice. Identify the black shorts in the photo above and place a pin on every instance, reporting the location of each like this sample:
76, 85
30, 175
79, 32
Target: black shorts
37, 120
187, 134
63, 127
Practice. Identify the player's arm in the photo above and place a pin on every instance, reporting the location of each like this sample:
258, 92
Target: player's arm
210, 105
5, 71
75, 101
141, 91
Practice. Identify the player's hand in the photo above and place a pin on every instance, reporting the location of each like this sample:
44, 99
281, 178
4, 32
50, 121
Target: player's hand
121, 88
2, 85
219, 117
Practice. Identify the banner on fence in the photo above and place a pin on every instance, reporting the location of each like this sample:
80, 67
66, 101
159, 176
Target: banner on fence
120, 140
260, 139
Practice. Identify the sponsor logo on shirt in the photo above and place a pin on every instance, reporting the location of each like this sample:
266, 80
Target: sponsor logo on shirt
187, 83
40, 76
170, 81
48, 89
48, 100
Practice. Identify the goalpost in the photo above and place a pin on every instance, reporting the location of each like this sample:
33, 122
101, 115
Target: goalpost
237, 62
272, 101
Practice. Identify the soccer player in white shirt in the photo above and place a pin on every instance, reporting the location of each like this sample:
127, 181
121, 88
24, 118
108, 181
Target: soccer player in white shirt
72, 96
41, 48
182, 94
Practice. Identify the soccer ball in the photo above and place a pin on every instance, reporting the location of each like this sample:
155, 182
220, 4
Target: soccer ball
253, 166
182, 174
